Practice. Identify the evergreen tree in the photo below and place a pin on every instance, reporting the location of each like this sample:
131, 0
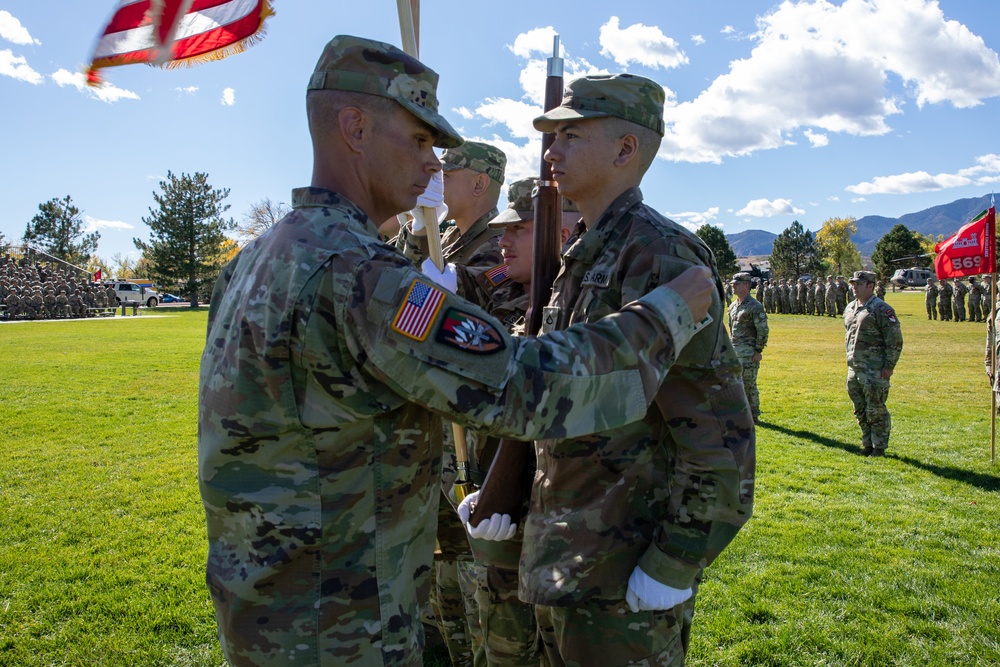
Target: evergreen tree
795, 253
835, 245
898, 244
57, 229
725, 258
187, 244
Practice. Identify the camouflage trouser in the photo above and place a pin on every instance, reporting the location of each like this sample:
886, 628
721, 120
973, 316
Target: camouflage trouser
456, 614
831, 305
868, 392
945, 309
931, 310
608, 633
750, 384
958, 307
510, 633
975, 311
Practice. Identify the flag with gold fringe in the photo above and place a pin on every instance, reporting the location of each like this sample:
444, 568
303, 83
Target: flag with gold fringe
177, 32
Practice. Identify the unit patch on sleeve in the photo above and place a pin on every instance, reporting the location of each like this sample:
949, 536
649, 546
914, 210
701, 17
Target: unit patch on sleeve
419, 310
470, 333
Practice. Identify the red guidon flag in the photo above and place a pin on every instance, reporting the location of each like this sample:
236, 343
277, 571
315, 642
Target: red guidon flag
177, 32
969, 251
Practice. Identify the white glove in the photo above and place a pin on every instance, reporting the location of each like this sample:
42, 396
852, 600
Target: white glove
447, 279
647, 594
434, 194
497, 528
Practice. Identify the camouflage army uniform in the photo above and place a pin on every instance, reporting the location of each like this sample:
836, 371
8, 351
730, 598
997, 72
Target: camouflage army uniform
843, 291
666, 493
958, 300
945, 293
880, 289
831, 297
976, 294
769, 297
873, 342
793, 298
748, 330
820, 297
930, 299
328, 362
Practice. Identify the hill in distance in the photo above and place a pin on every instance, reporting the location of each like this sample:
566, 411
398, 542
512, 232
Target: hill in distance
943, 220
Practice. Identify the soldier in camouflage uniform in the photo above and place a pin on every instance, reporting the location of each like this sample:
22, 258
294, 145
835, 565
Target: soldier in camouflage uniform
793, 298
976, 300
768, 296
874, 342
843, 291
958, 300
620, 528
880, 289
748, 330
930, 298
831, 297
945, 293
820, 298
328, 363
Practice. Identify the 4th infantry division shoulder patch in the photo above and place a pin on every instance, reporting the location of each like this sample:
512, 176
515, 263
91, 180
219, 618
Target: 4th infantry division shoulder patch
470, 333
419, 310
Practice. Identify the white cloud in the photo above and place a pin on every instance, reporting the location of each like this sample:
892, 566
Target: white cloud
858, 200
694, 219
835, 69
641, 44
17, 67
728, 30
189, 90
93, 224
12, 30
698, 39
763, 208
105, 92
464, 113
228, 97
986, 171
514, 114
539, 40
816, 139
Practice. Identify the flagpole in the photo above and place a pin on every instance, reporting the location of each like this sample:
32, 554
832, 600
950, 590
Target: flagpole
991, 326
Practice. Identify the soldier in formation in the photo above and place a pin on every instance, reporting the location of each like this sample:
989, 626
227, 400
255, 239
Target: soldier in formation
945, 293
958, 300
930, 298
748, 330
319, 442
874, 343
977, 294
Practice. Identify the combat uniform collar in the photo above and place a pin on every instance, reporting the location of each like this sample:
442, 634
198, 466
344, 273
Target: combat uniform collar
586, 244
473, 233
310, 197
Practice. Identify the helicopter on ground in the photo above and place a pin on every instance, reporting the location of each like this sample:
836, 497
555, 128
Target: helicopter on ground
915, 276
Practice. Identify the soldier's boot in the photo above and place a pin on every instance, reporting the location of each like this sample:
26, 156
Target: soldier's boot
878, 452
866, 450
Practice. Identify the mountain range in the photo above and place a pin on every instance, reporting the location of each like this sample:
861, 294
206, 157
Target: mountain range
943, 220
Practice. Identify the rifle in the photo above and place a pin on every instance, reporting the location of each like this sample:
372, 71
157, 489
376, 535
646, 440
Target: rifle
502, 489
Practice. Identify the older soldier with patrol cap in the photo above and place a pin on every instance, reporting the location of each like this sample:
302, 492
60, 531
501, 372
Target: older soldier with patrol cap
874, 342
619, 528
329, 361
748, 329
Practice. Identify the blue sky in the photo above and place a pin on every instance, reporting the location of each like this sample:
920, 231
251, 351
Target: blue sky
803, 110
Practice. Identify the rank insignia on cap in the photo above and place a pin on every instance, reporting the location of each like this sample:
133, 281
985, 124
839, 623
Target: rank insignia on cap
497, 274
470, 333
419, 310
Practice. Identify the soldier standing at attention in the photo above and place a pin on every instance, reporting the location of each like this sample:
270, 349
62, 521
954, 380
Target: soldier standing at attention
832, 294
619, 528
930, 299
976, 293
329, 363
843, 290
945, 292
820, 298
874, 342
958, 300
748, 329
880, 289
759, 286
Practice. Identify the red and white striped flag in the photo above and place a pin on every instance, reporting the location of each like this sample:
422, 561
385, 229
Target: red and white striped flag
172, 32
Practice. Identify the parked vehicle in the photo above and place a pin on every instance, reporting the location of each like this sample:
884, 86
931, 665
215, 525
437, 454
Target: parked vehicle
129, 291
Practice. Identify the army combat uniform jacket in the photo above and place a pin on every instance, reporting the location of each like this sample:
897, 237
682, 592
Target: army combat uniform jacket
748, 327
667, 492
328, 364
874, 340
479, 246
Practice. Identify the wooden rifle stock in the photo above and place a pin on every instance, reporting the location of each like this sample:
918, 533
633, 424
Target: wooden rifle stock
503, 489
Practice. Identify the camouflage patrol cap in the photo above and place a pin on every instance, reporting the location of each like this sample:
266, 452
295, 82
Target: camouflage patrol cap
862, 277
519, 207
477, 156
359, 65
633, 98
741, 277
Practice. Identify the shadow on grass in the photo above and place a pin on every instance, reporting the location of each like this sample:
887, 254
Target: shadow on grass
978, 480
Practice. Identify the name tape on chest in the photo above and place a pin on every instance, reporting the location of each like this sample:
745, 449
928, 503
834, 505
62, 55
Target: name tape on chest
597, 278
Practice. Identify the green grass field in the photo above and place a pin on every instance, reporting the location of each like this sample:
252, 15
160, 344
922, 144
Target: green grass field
847, 561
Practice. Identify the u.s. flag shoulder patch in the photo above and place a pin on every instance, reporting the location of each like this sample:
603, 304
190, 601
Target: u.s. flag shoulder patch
470, 333
497, 275
419, 310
